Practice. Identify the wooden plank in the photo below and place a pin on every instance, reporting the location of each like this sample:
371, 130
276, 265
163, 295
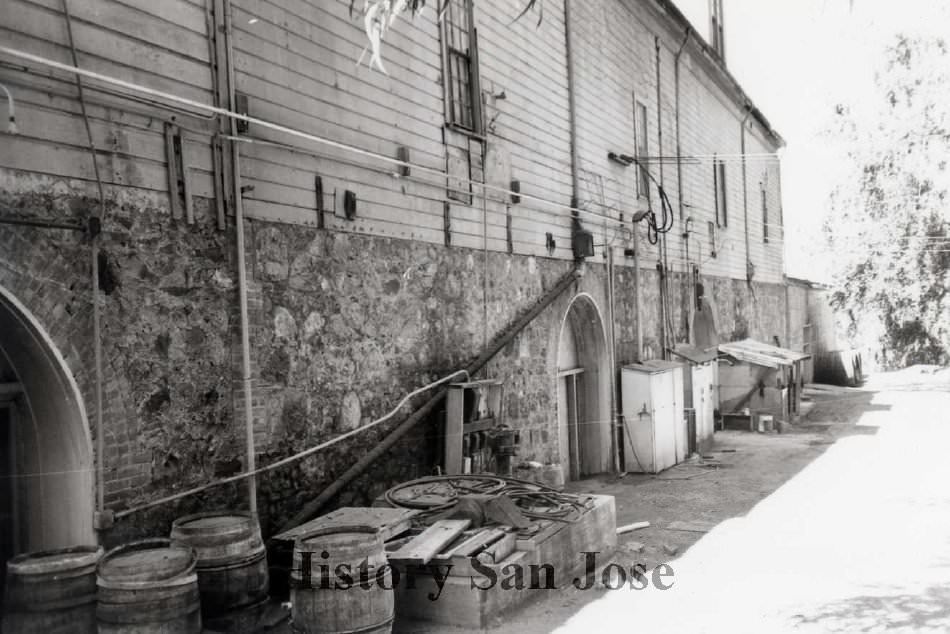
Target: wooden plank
114, 48
453, 430
473, 544
389, 521
499, 550
423, 548
690, 527
116, 18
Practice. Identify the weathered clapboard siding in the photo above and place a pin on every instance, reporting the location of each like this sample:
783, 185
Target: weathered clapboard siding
616, 65
528, 62
296, 61
105, 47
160, 45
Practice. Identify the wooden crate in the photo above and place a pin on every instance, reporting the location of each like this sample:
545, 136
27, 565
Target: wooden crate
559, 544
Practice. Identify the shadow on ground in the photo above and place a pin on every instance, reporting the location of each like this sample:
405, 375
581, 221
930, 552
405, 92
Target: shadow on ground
681, 509
928, 610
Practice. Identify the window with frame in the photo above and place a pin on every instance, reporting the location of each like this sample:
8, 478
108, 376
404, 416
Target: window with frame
642, 142
460, 58
719, 185
765, 213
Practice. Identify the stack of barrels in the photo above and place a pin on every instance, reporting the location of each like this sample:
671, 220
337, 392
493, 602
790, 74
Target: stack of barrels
212, 572
341, 582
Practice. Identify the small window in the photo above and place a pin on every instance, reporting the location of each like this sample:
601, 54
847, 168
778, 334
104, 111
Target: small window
765, 215
642, 141
711, 229
460, 57
719, 185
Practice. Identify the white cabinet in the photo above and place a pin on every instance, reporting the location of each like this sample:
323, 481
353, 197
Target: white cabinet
655, 434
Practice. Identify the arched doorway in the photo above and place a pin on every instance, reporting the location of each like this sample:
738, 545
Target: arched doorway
46, 465
583, 391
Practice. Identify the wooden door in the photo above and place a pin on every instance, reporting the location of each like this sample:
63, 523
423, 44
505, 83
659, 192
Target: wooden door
572, 404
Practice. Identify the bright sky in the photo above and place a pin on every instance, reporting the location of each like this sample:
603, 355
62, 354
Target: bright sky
796, 59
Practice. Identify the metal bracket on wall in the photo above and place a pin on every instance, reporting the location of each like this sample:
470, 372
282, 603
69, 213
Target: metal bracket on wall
550, 243
178, 177
447, 223
241, 107
318, 191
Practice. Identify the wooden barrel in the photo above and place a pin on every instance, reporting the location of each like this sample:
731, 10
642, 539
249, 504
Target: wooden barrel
321, 603
149, 586
232, 561
52, 591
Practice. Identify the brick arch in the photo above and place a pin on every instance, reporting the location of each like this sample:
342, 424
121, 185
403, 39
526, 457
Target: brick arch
48, 273
583, 345
52, 465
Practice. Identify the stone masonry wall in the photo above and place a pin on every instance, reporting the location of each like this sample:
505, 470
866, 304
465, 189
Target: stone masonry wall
343, 326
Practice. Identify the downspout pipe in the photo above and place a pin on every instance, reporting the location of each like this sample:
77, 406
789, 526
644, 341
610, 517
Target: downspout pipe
665, 318
571, 113
745, 195
679, 153
679, 175
246, 377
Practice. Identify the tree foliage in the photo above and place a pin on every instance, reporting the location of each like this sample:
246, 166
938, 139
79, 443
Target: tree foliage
888, 219
379, 15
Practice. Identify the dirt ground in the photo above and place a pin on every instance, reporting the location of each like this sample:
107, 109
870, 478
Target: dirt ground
683, 503
744, 468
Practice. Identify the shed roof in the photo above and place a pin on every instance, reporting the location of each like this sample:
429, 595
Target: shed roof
759, 353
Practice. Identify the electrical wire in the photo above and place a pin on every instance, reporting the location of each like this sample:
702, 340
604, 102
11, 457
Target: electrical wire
94, 263
656, 227
282, 128
295, 457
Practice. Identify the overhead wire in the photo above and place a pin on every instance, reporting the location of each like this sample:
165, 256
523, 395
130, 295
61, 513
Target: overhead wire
346, 147
295, 457
655, 227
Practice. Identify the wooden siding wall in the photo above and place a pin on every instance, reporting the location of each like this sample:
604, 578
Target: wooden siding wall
159, 44
616, 57
296, 62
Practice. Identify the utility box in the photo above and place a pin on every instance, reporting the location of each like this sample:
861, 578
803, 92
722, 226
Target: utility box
654, 428
700, 392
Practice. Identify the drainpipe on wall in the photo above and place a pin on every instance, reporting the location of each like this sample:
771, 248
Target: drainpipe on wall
679, 177
575, 202
251, 458
636, 292
745, 196
665, 307
571, 108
